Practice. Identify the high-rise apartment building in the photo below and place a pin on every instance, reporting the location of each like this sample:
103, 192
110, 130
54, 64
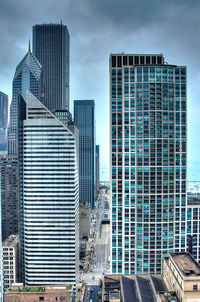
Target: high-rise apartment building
9, 195
48, 197
51, 48
10, 260
1, 258
28, 75
97, 168
148, 156
84, 117
3, 121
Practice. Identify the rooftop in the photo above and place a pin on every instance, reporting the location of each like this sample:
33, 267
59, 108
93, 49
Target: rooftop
11, 241
187, 265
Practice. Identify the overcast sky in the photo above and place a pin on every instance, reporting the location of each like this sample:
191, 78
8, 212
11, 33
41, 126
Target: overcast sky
98, 28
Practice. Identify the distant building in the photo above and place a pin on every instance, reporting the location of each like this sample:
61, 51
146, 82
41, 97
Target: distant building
49, 199
28, 75
179, 281
1, 252
51, 47
10, 260
84, 117
50, 293
3, 121
9, 195
97, 168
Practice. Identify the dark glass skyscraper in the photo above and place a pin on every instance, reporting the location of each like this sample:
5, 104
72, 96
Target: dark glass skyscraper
84, 117
28, 75
51, 48
3, 121
148, 154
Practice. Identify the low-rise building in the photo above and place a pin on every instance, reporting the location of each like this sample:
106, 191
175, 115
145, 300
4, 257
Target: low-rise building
10, 260
20, 293
179, 281
181, 273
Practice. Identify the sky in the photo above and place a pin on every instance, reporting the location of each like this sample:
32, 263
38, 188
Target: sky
98, 28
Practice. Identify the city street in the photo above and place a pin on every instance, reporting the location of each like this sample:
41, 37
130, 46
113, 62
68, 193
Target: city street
99, 264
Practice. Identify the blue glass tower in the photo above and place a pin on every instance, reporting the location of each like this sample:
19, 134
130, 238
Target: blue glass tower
148, 156
84, 117
28, 75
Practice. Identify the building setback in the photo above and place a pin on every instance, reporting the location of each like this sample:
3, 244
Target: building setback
9, 195
28, 75
3, 121
148, 156
49, 197
84, 117
51, 48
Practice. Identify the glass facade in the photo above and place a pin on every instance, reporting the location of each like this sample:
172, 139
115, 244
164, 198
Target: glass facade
84, 117
148, 156
51, 48
28, 75
48, 197
3, 121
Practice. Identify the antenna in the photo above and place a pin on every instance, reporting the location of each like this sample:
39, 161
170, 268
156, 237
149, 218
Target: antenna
29, 46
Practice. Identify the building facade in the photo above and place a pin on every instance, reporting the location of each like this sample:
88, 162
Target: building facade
97, 168
51, 48
84, 117
148, 156
28, 75
9, 195
3, 121
48, 198
1, 258
10, 260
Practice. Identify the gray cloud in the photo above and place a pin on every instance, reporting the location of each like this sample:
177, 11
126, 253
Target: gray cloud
98, 28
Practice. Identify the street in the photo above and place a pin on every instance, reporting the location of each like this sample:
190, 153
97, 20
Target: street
99, 264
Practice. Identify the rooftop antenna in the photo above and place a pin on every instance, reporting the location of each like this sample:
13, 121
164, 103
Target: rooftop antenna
61, 21
29, 46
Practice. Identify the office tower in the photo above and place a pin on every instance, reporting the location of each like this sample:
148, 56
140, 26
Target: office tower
148, 155
3, 121
28, 75
9, 195
97, 168
10, 261
49, 199
84, 117
51, 48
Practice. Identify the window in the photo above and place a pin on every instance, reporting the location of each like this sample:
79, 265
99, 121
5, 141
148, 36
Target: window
195, 287
41, 298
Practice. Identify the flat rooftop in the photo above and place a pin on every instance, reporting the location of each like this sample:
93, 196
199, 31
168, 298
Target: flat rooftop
186, 264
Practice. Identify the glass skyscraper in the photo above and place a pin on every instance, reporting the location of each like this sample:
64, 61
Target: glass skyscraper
3, 121
51, 48
48, 196
84, 117
148, 161
28, 75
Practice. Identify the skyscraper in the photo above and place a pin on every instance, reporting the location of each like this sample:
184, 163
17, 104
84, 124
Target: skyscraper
3, 121
28, 75
97, 168
49, 198
51, 48
148, 155
1, 249
84, 117
9, 195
